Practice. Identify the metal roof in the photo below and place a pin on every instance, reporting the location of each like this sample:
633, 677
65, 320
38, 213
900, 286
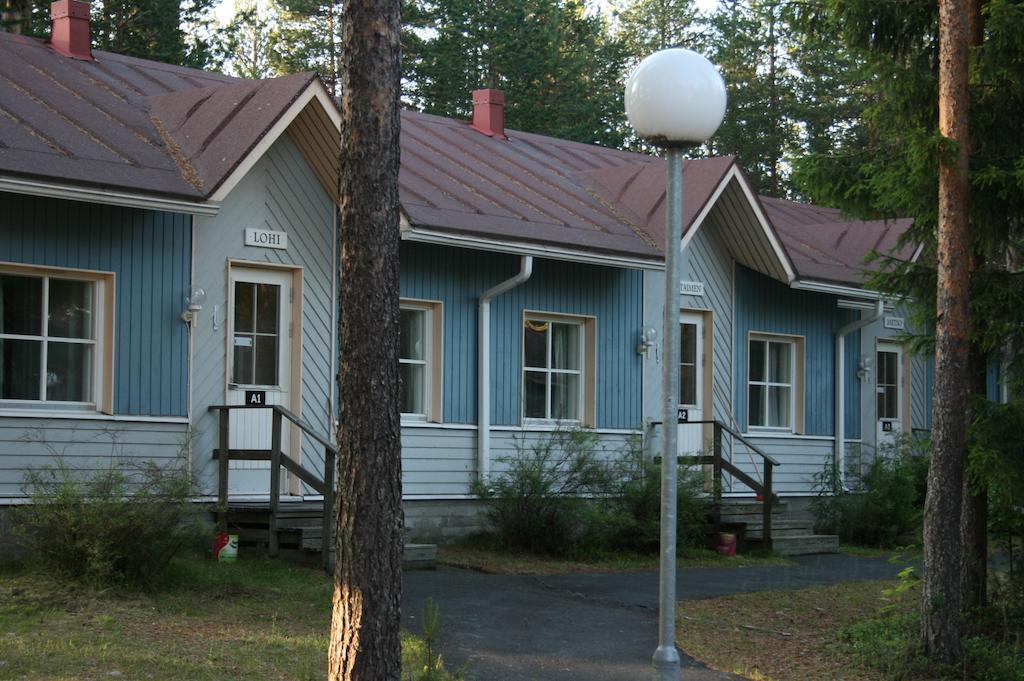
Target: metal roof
826, 246
527, 187
139, 126
126, 123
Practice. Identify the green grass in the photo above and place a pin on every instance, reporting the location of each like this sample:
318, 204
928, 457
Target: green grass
255, 619
474, 554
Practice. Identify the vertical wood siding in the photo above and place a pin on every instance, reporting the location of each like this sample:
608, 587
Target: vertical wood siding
457, 277
281, 193
765, 305
149, 253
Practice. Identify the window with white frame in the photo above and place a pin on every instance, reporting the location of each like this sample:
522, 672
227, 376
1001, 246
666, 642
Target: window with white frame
419, 357
772, 382
553, 369
51, 345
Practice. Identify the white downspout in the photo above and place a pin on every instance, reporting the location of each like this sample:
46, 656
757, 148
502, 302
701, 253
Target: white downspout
483, 438
840, 416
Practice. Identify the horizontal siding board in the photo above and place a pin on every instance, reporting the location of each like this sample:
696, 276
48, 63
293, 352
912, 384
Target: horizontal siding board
85, 445
799, 462
148, 252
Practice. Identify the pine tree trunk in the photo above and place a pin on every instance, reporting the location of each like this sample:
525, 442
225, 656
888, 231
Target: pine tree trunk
974, 514
943, 549
365, 643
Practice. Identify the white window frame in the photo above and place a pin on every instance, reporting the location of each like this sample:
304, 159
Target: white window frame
433, 378
795, 384
102, 341
585, 407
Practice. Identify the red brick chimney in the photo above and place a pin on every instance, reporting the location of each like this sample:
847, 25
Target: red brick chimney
489, 112
69, 29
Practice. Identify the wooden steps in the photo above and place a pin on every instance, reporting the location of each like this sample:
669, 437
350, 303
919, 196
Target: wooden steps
300, 533
792, 529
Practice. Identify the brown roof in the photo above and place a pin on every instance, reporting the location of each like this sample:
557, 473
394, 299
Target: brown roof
95, 122
526, 188
824, 245
638, 191
156, 129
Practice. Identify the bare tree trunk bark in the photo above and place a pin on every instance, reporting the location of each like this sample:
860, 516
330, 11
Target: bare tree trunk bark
943, 548
974, 514
365, 643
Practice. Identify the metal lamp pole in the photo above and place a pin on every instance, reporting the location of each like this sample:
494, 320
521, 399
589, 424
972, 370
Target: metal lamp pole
666, 657
674, 99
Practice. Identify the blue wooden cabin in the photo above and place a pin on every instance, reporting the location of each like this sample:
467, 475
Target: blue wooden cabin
168, 254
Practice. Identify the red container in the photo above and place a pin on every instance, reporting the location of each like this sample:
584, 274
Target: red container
726, 544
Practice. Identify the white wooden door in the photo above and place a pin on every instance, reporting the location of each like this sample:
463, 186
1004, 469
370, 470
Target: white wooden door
259, 366
888, 395
691, 382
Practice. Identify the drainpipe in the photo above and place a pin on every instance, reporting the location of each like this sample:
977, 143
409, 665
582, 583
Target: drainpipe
839, 453
483, 438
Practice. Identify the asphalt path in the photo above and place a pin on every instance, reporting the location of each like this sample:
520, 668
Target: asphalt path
589, 626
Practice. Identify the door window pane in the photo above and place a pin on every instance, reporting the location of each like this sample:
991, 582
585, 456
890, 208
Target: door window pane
70, 309
688, 364
68, 372
245, 296
888, 388
688, 385
242, 370
21, 305
265, 360
20, 364
267, 297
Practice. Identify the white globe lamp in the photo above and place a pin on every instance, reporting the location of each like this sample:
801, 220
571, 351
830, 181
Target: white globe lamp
674, 99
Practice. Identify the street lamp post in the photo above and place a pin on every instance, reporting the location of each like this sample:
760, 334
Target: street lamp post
674, 99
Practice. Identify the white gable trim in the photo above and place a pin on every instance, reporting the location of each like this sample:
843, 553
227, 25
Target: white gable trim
734, 174
105, 196
315, 90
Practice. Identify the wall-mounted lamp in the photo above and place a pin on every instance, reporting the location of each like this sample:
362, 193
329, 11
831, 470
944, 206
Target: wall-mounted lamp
648, 335
193, 304
864, 365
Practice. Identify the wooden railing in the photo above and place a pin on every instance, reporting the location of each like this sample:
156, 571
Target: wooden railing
763, 488
278, 459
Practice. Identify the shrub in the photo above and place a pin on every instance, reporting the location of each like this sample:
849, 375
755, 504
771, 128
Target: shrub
883, 508
561, 496
629, 518
537, 504
118, 525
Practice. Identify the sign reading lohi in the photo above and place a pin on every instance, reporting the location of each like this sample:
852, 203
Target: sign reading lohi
266, 238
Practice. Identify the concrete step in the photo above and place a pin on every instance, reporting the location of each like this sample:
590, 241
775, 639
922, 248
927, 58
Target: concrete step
805, 544
782, 528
